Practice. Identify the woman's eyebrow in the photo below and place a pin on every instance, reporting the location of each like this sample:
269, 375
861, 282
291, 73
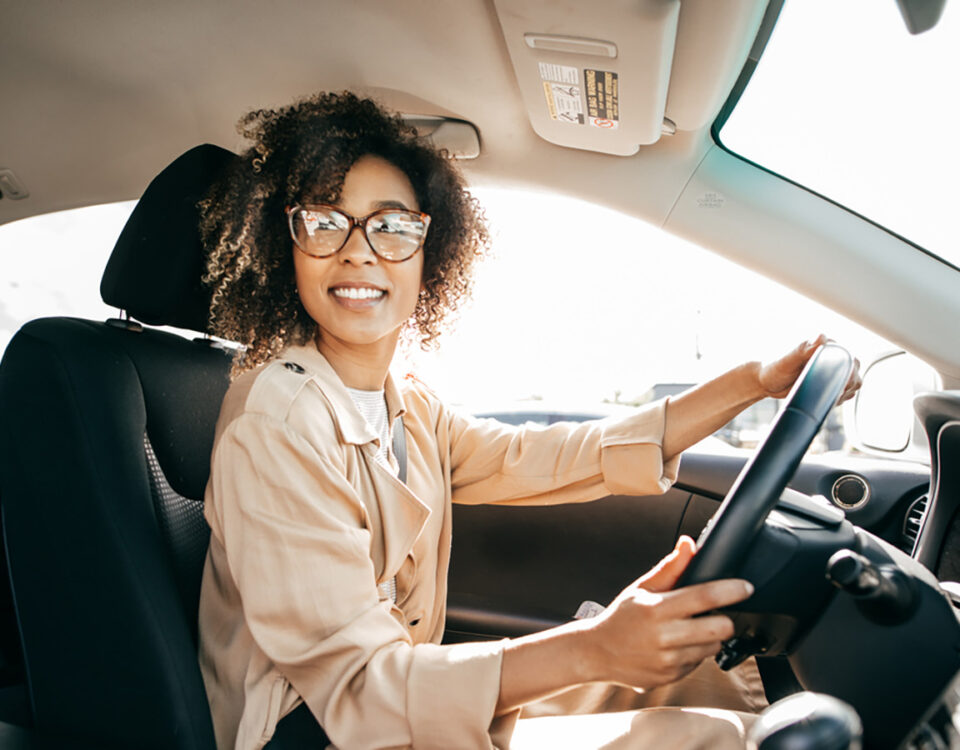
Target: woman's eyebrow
390, 204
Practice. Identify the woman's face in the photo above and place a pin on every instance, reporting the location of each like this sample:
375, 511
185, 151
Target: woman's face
391, 289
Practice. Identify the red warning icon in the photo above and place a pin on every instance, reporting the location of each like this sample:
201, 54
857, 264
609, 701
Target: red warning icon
600, 122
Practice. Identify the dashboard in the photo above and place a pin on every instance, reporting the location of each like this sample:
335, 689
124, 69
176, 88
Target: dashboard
889, 498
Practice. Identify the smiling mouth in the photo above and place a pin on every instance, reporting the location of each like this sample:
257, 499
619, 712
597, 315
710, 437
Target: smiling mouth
358, 293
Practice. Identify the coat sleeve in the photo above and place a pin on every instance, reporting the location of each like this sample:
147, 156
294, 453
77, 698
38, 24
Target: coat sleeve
565, 462
298, 549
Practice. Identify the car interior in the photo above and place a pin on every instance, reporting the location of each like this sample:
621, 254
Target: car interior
106, 426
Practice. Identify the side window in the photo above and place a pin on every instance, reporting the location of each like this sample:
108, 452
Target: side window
51, 265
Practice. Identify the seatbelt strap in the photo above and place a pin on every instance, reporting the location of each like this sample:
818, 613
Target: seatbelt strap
400, 448
389, 588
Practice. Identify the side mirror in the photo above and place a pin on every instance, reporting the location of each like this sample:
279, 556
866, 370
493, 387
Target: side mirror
883, 420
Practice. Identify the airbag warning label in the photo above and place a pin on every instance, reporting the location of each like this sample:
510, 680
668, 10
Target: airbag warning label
603, 98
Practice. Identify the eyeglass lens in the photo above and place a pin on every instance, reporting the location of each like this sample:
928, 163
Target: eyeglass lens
393, 234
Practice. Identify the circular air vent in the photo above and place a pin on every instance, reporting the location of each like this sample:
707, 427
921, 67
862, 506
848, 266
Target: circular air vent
850, 491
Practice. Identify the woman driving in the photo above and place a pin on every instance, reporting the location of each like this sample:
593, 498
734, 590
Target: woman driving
323, 597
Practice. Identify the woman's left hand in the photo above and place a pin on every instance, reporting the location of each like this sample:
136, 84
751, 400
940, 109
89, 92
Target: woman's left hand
777, 377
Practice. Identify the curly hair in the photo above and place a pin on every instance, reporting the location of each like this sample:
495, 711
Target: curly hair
305, 150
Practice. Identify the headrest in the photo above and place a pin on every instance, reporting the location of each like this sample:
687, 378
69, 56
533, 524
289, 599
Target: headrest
155, 268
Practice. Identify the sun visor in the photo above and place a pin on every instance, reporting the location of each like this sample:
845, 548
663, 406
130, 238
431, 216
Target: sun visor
592, 75
601, 76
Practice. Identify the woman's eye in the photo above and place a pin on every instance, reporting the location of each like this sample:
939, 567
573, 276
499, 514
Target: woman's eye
326, 223
322, 222
396, 225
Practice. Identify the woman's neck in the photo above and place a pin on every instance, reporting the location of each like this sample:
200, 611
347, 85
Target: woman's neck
363, 367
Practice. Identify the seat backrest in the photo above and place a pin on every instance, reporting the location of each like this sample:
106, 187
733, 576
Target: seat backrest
105, 438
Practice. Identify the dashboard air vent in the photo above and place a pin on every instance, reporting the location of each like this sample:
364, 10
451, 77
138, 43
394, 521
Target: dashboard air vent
850, 492
913, 522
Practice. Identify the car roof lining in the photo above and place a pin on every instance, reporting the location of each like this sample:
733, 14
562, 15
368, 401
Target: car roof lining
145, 82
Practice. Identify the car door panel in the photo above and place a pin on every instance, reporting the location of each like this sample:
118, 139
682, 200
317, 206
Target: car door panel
539, 563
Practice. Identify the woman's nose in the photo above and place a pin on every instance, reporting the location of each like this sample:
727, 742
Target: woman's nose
357, 249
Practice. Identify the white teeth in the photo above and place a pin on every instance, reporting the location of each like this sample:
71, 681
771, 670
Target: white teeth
358, 292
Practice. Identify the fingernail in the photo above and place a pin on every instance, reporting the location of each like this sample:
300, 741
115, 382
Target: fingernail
748, 587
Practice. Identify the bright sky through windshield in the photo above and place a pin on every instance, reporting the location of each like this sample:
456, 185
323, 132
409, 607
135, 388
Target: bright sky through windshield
592, 302
869, 119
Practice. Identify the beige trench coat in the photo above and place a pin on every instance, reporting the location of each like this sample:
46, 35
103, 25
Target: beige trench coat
305, 524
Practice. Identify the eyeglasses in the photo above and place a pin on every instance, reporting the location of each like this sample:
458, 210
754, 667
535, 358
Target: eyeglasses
394, 234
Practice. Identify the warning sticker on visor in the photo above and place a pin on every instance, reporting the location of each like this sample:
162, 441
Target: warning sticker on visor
603, 98
559, 73
563, 93
563, 101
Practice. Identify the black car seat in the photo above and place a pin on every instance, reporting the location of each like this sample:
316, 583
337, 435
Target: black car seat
105, 438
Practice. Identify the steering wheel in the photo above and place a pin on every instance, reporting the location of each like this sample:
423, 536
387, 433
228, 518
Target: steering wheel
725, 540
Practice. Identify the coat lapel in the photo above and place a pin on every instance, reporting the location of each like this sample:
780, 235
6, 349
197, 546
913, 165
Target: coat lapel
402, 514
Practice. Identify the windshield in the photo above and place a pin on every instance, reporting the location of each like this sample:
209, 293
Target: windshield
603, 311
605, 307
847, 103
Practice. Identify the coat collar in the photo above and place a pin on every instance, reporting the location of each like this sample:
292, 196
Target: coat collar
350, 422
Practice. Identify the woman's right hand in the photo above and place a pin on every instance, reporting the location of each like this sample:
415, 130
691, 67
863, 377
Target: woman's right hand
650, 634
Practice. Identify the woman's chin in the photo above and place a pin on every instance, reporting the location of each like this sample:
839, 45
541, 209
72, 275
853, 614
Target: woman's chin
358, 337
